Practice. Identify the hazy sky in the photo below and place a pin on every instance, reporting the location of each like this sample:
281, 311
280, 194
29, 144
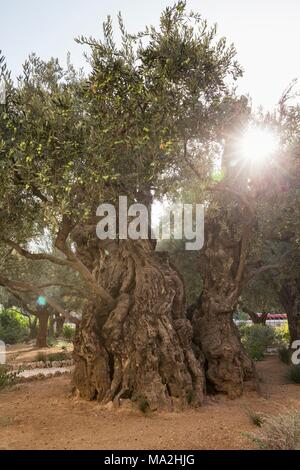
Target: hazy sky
266, 33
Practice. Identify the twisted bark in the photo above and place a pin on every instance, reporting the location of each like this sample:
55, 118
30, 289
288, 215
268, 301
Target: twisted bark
141, 348
226, 362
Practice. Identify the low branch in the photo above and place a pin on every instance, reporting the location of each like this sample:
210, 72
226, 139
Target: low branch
23, 303
77, 264
72, 261
221, 188
5, 257
254, 317
70, 287
36, 256
270, 267
26, 287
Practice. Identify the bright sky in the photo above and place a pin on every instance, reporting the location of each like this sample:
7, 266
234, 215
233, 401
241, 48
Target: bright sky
266, 33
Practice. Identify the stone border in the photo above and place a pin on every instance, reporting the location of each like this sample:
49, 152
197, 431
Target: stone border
41, 365
33, 378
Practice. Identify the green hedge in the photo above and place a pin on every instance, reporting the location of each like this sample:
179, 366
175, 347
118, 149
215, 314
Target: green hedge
13, 326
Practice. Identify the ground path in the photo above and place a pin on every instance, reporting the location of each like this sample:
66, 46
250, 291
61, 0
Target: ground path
44, 415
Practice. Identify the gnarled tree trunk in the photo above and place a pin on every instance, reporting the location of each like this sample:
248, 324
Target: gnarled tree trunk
141, 349
226, 362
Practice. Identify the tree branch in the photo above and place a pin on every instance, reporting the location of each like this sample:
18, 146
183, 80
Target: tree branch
36, 256
23, 302
26, 287
243, 253
72, 261
269, 267
79, 291
254, 317
76, 263
5, 257
221, 188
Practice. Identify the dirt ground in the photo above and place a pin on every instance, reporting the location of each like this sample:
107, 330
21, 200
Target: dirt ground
22, 353
43, 415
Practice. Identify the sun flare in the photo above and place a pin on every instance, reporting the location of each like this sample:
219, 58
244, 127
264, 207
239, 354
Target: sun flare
258, 144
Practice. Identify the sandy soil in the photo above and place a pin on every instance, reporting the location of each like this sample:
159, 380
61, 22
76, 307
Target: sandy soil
43, 415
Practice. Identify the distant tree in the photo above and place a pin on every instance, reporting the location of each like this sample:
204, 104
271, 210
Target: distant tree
238, 201
35, 292
275, 250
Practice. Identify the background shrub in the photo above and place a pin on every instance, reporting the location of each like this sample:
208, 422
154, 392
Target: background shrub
256, 339
59, 356
294, 374
7, 377
51, 341
41, 357
13, 326
284, 354
68, 332
282, 334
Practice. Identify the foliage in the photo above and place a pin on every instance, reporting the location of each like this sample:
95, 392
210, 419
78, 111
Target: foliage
51, 341
256, 418
68, 332
282, 334
7, 377
69, 142
52, 357
41, 357
13, 326
258, 295
281, 432
86, 135
144, 405
186, 264
294, 373
59, 356
284, 354
256, 339
240, 315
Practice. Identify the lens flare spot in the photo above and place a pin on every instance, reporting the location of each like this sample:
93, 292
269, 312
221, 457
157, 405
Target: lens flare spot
258, 144
41, 301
